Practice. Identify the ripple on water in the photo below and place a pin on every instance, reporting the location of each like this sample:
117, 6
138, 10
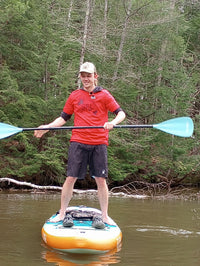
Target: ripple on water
167, 230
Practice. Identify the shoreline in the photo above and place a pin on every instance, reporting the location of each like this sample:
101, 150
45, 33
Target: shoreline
130, 190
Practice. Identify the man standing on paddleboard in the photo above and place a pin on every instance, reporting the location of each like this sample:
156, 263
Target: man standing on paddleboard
90, 106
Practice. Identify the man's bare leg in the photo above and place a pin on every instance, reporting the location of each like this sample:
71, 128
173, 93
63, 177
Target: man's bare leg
103, 198
66, 196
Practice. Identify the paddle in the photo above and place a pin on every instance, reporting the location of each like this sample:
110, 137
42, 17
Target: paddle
181, 126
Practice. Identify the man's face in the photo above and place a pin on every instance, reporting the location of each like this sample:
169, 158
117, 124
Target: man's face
87, 79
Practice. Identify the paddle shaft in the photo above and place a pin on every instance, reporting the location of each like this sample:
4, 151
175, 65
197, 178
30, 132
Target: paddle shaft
87, 127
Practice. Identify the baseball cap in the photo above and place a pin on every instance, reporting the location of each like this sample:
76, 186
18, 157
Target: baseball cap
88, 68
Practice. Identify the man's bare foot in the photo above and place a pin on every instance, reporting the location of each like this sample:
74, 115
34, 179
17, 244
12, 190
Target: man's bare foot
59, 217
108, 220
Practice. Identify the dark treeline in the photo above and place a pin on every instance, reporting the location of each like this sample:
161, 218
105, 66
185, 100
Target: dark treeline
147, 53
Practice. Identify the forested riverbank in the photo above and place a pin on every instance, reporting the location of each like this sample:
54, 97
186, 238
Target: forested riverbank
147, 55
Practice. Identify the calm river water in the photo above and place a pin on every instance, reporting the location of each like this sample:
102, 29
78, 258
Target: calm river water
155, 232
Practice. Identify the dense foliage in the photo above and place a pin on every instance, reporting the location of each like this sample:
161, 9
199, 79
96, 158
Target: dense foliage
147, 54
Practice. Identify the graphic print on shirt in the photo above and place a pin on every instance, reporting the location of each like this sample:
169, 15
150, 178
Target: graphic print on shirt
88, 107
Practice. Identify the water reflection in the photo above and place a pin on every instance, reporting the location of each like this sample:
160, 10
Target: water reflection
67, 259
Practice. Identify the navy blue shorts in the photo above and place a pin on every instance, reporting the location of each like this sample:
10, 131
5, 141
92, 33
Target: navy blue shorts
80, 156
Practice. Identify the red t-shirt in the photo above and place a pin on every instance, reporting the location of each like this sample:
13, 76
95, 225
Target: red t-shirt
90, 109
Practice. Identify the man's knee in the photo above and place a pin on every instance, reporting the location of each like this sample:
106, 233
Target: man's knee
101, 181
70, 179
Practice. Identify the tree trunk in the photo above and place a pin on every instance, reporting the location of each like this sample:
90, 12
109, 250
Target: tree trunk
163, 48
123, 37
85, 35
105, 25
69, 13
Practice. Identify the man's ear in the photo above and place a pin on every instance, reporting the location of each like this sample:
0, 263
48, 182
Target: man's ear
96, 76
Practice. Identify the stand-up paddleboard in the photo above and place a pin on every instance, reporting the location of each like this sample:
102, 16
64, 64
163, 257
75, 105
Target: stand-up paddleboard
81, 237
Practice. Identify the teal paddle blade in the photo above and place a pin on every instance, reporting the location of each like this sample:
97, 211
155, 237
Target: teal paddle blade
181, 126
8, 130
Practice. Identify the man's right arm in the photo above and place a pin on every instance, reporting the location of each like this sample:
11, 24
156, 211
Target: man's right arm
58, 122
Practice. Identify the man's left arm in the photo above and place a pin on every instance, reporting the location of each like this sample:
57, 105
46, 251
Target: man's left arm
118, 119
